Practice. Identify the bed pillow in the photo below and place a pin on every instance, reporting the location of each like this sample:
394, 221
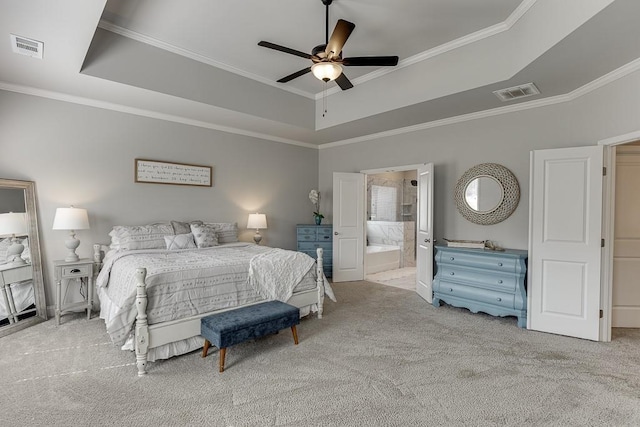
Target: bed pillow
183, 227
26, 253
227, 232
204, 235
4, 247
180, 241
140, 236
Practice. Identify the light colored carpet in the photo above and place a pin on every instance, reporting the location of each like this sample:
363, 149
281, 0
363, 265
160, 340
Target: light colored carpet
380, 357
404, 278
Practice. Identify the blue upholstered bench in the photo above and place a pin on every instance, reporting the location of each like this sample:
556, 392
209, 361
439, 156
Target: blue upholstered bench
233, 327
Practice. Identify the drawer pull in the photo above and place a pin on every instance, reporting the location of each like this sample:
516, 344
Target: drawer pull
451, 259
75, 270
452, 273
499, 281
450, 289
499, 299
499, 264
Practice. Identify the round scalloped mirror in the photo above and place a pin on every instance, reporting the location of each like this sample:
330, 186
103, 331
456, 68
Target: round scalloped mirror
487, 194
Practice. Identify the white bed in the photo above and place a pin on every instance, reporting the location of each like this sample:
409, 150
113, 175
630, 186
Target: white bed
152, 298
16, 297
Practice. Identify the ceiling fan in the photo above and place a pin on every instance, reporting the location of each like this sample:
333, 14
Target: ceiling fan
327, 58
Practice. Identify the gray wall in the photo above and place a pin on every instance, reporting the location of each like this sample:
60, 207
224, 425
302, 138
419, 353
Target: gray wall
507, 139
85, 156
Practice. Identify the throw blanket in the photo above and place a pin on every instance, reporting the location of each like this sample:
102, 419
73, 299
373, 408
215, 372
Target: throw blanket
274, 274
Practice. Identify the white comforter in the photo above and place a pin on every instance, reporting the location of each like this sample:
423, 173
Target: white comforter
187, 282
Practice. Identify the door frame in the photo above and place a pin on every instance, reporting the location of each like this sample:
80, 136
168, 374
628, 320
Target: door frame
386, 170
608, 217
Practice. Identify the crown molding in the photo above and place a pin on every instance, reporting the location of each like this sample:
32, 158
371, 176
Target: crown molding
422, 56
444, 48
575, 94
571, 96
105, 25
26, 90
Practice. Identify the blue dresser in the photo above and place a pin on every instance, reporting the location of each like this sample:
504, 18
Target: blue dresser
482, 280
311, 237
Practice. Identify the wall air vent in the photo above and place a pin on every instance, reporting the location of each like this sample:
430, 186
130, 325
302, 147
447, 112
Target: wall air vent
517, 92
25, 46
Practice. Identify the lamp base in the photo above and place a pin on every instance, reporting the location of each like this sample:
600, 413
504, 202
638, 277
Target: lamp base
14, 253
257, 237
72, 244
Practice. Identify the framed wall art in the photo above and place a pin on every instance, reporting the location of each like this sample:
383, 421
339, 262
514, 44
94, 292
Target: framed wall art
160, 172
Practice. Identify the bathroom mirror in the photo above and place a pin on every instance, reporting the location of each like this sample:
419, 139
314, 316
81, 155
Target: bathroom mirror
22, 300
487, 194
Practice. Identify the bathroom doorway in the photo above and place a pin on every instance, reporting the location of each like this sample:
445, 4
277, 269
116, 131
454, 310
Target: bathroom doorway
391, 208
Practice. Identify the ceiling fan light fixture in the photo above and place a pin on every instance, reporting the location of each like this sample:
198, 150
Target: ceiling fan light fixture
326, 71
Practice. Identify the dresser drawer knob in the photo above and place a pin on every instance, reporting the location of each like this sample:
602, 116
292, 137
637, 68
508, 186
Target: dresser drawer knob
499, 264
499, 299
499, 281
451, 259
450, 289
452, 273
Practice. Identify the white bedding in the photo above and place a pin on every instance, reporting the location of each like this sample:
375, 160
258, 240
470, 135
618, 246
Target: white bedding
23, 297
183, 283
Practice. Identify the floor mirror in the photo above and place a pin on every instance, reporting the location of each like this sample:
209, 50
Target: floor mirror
22, 300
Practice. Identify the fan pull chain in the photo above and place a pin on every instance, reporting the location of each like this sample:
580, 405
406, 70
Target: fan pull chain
324, 99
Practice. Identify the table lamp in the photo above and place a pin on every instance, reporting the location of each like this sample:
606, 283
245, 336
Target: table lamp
257, 221
14, 224
71, 219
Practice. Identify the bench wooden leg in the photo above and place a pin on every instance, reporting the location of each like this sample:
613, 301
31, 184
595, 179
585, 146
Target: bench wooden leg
205, 349
295, 334
223, 352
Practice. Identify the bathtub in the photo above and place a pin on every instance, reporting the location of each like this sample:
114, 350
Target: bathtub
382, 258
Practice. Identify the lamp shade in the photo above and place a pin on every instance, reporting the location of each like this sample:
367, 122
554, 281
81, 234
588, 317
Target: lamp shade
326, 71
71, 219
257, 221
13, 223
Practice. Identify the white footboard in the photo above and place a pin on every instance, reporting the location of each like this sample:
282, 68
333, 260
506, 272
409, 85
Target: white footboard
143, 333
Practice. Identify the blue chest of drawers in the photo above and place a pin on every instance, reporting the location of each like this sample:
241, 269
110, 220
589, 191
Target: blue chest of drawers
482, 280
311, 237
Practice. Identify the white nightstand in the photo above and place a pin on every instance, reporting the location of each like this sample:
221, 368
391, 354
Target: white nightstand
81, 270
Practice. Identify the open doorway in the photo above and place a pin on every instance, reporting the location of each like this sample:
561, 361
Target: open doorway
391, 209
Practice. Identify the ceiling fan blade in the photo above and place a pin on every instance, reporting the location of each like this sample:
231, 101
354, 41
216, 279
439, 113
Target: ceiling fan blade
362, 61
344, 82
339, 37
284, 49
294, 75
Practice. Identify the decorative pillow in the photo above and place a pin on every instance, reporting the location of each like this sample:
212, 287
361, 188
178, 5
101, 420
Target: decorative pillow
184, 227
227, 232
140, 236
204, 235
180, 241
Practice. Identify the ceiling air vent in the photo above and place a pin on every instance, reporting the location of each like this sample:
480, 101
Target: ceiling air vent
25, 46
517, 92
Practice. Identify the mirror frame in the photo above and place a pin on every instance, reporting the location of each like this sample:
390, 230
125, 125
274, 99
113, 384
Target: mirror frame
29, 188
510, 193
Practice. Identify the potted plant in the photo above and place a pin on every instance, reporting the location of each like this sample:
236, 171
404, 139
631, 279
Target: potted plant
314, 196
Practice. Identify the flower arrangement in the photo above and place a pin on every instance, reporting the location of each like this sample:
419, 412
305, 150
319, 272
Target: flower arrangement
314, 196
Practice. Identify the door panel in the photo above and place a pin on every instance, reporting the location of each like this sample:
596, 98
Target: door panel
424, 233
348, 226
565, 241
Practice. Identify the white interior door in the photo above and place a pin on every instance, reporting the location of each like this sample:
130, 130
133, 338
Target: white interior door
565, 226
424, 233
348, 226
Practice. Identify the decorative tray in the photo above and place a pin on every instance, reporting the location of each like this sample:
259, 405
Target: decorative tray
477, 244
